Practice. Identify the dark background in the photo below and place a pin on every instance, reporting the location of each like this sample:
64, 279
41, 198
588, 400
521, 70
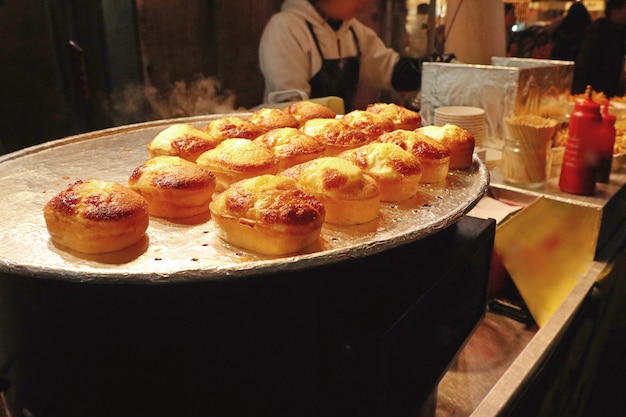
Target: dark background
70, 66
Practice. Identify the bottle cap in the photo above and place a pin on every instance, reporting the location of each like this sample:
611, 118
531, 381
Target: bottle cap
606, 116
587, 103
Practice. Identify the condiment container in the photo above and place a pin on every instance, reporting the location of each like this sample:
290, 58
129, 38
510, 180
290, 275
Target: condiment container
605, 143
526, 162
527, 151
580, 160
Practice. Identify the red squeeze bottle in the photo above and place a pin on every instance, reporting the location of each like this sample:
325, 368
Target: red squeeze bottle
605, 143
578, 173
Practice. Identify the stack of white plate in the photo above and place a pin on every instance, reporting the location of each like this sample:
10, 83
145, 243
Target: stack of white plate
469, 118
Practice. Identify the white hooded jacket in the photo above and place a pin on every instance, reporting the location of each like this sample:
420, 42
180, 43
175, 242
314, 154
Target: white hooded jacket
288, 56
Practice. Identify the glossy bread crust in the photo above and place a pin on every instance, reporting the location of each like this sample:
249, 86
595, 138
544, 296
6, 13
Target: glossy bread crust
307, 110
236, 159
336, 135
291, 146
372, 124
268, 214
349, 195
460, 142
96, 216
173, 187
434, 156
183, 140
397, 171
269, 118
402, 117
229, 127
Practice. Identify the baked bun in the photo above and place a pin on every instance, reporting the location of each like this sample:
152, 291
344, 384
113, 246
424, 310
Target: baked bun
458, 140
397, 171
372, 124
96, 216
268, 214
350, 196
307, 110
173, 187
183, 140
291, 146
401, 117
269, 118
337, 136
228, 127
434, 156
236, 159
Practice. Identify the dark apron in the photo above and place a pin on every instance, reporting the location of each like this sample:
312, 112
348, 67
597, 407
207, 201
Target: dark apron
337, 77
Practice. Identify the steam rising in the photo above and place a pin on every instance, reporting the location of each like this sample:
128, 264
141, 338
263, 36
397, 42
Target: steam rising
139, 103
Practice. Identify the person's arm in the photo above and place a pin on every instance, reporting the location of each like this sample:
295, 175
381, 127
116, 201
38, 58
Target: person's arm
377, 60
407, 74
384, 68
285, 55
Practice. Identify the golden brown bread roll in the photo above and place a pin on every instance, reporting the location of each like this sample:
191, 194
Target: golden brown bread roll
372, 124
401, 117
434, 156
336, 136
458, 140
397, 171
229, 127
183, 140
307, 110
291, 146
268, 214
269, 118
96, 216
236, 159
173, 187
349, 196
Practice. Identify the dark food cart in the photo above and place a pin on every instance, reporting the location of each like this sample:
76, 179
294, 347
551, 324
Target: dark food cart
185, 325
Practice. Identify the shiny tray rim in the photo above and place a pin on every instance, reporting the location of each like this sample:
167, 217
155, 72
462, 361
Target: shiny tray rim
113, 274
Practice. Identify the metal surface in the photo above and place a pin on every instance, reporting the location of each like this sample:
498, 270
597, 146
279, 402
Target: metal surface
493, 389
609, 199
507, 87
185, 252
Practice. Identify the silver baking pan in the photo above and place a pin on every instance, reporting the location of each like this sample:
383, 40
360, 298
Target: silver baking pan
189, 250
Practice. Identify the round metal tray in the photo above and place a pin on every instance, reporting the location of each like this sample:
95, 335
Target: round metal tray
188, 250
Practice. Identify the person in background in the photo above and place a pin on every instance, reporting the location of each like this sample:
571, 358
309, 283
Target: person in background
319, 47
568, 35
509, 22
600, 61
534, 42
417, 32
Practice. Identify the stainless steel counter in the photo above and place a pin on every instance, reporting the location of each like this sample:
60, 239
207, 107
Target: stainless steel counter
505, 361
